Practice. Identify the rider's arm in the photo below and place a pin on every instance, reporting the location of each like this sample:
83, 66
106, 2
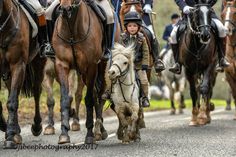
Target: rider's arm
166, 34
145, 60
213, 2
181, 4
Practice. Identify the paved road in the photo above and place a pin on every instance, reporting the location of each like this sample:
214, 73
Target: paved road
165, 135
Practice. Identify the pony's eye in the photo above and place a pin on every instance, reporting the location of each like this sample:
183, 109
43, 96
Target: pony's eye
125, 63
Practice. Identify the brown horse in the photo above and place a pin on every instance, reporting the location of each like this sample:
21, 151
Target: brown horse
78, 43
19, 57
197, 47
135, 5
49, 77
229, 16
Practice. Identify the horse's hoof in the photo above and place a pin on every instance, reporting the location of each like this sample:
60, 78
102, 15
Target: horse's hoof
89, 140
212, 106
98, 137
202, 121
104, 135
193, 123
181, 112
125, 142
228, 108
63, 139
9, 145
36, 130
141, 124
172, 112
49, 130
17, 139
75, 126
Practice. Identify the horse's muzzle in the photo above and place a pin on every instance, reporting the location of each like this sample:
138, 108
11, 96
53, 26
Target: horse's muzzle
205, 36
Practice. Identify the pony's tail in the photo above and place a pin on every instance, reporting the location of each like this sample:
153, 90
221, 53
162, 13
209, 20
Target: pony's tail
28, 85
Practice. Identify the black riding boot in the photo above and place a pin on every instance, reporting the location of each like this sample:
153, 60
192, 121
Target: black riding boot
223, 63
159, 65
177, 67
45, 46
96, 9
108, 41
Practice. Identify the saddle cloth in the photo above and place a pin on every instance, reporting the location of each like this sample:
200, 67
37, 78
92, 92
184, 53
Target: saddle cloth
32, 21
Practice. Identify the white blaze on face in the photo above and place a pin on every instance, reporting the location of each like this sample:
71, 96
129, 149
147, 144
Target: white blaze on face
133, 8
204, 10
227, 18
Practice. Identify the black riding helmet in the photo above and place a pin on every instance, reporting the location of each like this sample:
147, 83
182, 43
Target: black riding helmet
132, 17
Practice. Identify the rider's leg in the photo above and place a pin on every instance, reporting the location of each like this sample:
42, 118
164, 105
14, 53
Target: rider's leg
50, 9
175, 48
45, 46
159, 65
144, 87
221, 45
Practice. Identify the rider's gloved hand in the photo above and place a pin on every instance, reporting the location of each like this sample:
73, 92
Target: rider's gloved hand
145, 67
147, 9
187, 9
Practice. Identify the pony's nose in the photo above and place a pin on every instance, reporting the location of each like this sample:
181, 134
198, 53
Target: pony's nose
111, 72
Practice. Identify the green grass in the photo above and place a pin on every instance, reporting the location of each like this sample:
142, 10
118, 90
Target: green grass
165, 104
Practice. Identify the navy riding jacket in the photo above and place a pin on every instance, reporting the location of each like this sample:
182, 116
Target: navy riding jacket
167, 33
183, 3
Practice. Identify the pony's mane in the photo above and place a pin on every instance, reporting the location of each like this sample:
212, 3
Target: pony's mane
126, 51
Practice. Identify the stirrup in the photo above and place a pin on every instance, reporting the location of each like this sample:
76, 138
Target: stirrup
176, 69
160, 66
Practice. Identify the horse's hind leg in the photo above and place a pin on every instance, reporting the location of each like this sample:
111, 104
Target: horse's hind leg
48, 86
3, 124
75, 126
134, 120
173, 110
38, 65
13, 130
228, 101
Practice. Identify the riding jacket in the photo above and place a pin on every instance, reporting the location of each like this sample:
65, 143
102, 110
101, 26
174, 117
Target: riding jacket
141, 58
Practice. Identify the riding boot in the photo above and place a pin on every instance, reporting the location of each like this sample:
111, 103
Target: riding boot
177, 67
108, 41
96, 9
144, 95
45, 46
159, 65
223, 63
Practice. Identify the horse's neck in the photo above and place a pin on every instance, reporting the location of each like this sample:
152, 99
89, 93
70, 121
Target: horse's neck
7, 6
232, 39
192, 40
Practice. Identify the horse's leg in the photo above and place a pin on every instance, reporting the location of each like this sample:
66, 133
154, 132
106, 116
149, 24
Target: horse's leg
48, 86
193, 93
134, 120
172, 111
75, 126
62, 70
205, 95
3, 124
228, 101
13, 129
124, 125
89, 102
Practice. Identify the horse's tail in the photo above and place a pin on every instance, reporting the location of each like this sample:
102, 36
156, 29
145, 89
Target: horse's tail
30, 77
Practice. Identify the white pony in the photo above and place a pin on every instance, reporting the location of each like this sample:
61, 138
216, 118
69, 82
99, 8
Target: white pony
125, 93
175, 83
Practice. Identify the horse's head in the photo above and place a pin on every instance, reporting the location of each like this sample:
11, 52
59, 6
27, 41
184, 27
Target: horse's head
67, 7
229, 16
122, 61
202, 20
132, 5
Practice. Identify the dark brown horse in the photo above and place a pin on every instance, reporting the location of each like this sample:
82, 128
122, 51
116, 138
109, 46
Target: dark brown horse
78, 43
197, 47
19, 57
229, 16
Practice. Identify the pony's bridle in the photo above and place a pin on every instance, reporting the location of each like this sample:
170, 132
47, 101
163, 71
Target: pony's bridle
68, 11
121, 82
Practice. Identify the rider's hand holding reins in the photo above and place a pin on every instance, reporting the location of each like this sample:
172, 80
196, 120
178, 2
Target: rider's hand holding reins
187, 9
